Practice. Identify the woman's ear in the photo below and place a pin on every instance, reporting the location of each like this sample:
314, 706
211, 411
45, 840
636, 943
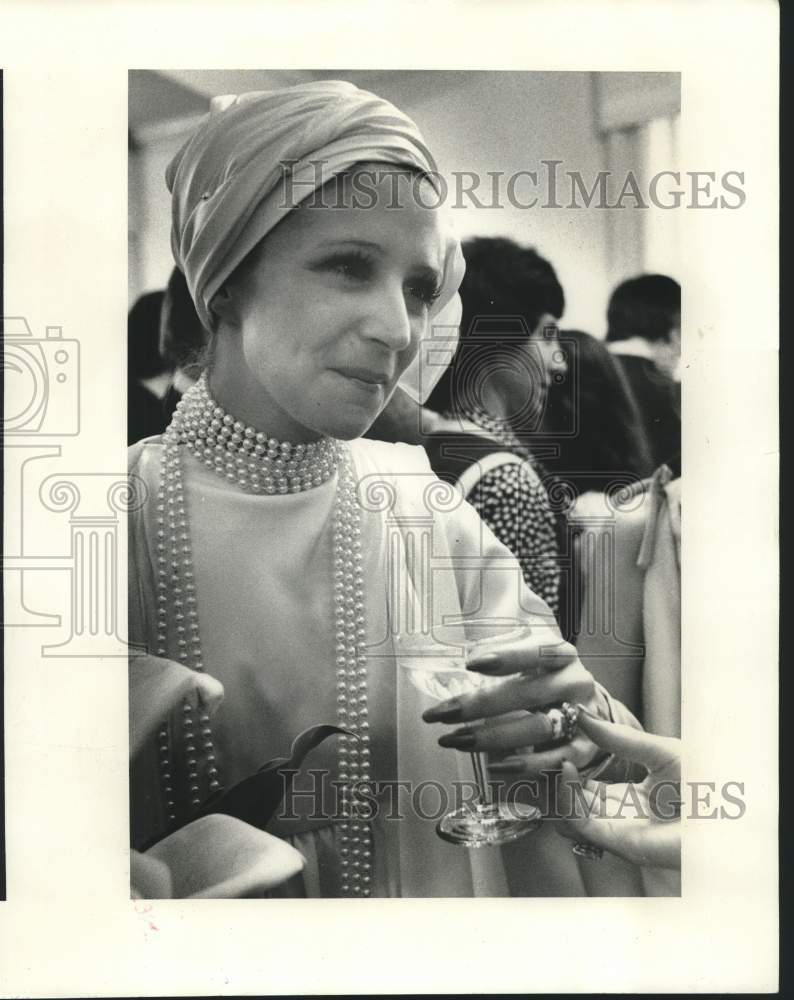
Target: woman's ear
223, 305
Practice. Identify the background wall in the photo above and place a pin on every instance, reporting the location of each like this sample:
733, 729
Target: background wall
473, 121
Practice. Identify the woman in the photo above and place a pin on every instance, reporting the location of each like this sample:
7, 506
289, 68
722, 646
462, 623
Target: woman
183, 340
148, 373
644, 335
593, 421
496, 384
276, 551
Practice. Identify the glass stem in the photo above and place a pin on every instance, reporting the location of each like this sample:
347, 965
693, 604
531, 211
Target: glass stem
478, 764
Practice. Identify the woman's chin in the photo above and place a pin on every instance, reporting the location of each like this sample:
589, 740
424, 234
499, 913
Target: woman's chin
351, 419
352, 426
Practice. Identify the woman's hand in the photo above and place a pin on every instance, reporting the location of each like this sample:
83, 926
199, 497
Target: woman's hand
157, 685
215, 857
639, 822
507, 712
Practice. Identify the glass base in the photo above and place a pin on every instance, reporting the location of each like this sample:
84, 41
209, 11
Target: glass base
487, 825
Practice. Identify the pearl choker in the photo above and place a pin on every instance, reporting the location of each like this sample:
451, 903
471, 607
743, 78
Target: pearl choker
245, 456
189, 767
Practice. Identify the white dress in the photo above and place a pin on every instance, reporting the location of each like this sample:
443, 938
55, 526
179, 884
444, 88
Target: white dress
263, 572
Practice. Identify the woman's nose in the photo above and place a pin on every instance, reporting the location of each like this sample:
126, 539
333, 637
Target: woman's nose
388, 320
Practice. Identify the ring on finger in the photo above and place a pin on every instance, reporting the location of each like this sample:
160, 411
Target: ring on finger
571, 720
563, 722
584, 850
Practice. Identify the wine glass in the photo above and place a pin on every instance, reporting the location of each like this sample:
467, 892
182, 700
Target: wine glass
436, 665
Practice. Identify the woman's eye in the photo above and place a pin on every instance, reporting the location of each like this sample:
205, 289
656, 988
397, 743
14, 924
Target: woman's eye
351, 267
425, 292
359, 269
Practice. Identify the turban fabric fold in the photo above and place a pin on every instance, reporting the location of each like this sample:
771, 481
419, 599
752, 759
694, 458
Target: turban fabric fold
257, 155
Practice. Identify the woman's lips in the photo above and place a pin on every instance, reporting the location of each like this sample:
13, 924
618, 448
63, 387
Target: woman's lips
366, 378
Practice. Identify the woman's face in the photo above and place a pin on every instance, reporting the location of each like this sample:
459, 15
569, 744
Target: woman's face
318, 325
544, 346
522, 385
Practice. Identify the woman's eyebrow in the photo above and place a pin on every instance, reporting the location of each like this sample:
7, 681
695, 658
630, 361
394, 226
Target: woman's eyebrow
421, 269
352, 241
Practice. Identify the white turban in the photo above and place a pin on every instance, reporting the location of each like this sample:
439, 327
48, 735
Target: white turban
256, 155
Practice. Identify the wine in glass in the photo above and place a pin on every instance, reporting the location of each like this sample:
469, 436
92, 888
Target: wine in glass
436, 666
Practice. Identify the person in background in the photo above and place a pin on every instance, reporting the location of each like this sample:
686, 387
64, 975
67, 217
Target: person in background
493, 393
148, 375
593, 420
183, 339
644, 334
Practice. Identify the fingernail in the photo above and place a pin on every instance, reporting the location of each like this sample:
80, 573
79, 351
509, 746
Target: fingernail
487, 663
450, 711
457, 741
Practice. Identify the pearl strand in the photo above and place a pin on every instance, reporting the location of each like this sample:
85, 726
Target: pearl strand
220, 442
247, 457
351, 687
175, 580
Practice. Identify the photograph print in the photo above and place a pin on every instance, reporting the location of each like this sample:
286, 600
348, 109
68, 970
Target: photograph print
404, 427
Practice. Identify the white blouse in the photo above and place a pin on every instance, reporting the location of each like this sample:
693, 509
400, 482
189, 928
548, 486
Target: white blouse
263, 576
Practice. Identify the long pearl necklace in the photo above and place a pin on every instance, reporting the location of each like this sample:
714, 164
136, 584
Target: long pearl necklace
258, 464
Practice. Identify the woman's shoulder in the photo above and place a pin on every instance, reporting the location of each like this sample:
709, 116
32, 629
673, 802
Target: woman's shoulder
385, 457
144, 455
398, 477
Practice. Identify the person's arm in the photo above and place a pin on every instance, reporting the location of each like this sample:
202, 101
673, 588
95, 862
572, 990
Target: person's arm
512, 501
648, 830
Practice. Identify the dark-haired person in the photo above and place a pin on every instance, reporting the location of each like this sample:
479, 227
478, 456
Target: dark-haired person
593, 420
183, 339
493, 393
148, 374
644, 334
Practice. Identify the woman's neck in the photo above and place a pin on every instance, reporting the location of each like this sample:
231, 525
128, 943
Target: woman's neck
234, 388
